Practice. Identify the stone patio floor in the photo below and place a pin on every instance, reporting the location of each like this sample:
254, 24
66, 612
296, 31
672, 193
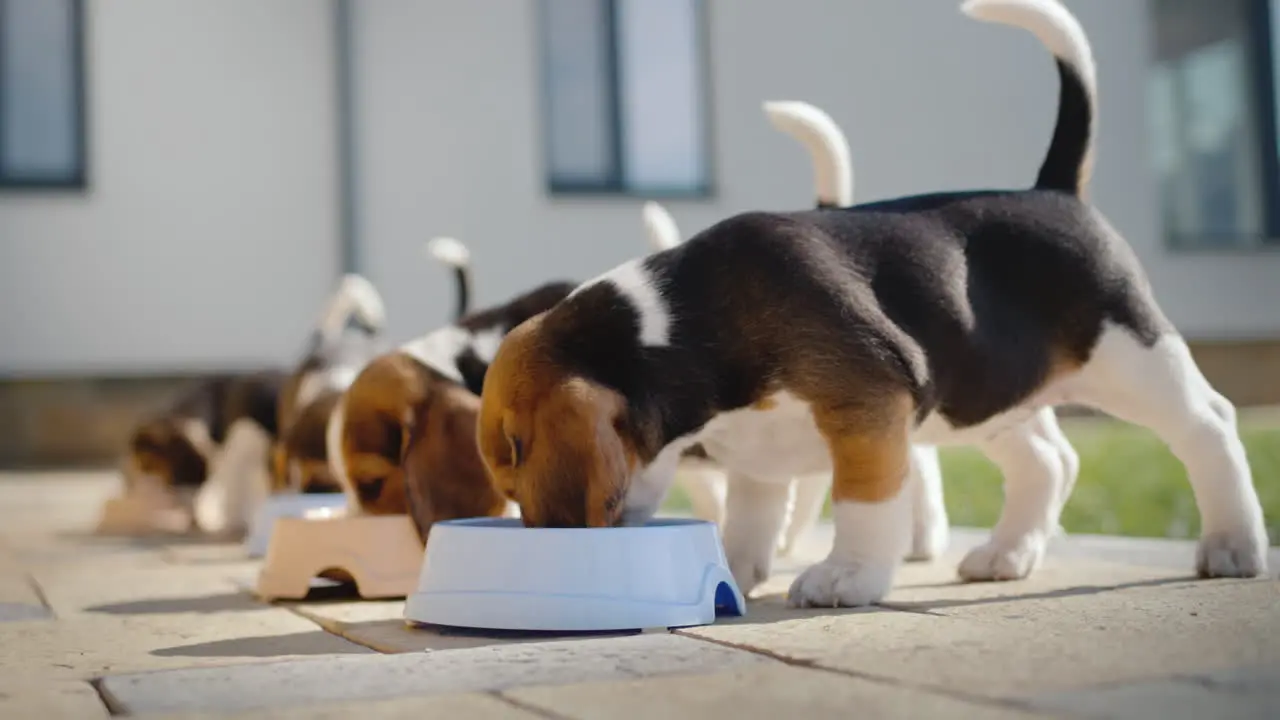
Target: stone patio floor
1108, 628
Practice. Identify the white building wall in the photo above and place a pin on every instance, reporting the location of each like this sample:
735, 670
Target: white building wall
452, 142
208, 236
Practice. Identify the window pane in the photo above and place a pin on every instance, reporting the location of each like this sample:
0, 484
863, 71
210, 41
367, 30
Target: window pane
660, 68
41, 119
577, 76
1205, 123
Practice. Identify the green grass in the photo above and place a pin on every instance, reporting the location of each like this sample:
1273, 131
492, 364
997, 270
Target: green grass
1129, 482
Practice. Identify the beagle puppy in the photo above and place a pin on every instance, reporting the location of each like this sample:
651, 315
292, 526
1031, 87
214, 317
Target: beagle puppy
703, 479
401, 439
301, 462
797, 342
174, 452
346, 336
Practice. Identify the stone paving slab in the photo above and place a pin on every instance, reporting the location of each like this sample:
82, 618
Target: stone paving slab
50, 700
1010, 648
445, 707
124, 586
89, 646
51, 501
757, 691
383, 677
1178, 698
934, 587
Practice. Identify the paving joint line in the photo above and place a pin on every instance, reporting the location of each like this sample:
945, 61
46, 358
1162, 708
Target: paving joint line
1006, 703
114, 707
333, 627
39, 592
502, 697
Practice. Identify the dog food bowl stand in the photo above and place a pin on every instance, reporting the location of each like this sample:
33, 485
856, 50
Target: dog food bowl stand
299, 505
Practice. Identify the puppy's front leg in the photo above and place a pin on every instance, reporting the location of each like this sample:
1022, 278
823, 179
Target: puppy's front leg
754, 513
870, 452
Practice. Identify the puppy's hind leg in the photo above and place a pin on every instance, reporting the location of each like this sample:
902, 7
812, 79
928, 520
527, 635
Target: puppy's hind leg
809, 494
870, 450
1161, 388
754, 513
704, 484
1038, 465
930, 530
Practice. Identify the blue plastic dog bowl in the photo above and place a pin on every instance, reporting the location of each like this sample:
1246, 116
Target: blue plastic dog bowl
496, 574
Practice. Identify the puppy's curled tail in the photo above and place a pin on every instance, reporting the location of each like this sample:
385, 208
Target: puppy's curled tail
356, 299
827, 146
1069, 162
663, 233
453, 253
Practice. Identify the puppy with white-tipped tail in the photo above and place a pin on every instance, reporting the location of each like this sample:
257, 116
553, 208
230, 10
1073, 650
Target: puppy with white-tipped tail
789, 343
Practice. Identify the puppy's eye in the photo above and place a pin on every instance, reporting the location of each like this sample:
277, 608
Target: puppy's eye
517, 450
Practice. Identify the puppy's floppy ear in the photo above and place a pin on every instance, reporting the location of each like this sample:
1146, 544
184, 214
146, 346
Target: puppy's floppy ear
579, 459
445, 478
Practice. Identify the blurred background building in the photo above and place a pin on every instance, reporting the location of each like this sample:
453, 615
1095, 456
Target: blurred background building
181, 183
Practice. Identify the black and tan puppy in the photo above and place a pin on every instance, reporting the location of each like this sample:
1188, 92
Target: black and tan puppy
177, 450
791, 342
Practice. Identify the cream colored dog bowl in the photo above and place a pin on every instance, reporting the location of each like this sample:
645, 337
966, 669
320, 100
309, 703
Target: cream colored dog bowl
142, 514
381, 554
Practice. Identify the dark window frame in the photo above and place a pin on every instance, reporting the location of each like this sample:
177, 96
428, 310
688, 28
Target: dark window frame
614, 183
77, 179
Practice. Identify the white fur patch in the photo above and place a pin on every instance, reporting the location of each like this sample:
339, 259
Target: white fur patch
449, 251
197, 433
774, 444
871, 540
313, 384
238, 482
355, 296
486, 343
439, 349
662, 229
1050, 22
636, 284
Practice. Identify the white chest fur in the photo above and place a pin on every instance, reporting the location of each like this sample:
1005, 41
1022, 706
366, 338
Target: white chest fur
771, 444
781, 442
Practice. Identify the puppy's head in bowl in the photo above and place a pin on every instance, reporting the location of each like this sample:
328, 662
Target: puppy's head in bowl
369, 431
300, 458
404, 438
169, 454
564, 447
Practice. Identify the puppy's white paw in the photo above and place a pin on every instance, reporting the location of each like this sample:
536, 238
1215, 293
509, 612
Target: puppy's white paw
835, 584
929, 541
1235, 555
750, 564
997, 560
